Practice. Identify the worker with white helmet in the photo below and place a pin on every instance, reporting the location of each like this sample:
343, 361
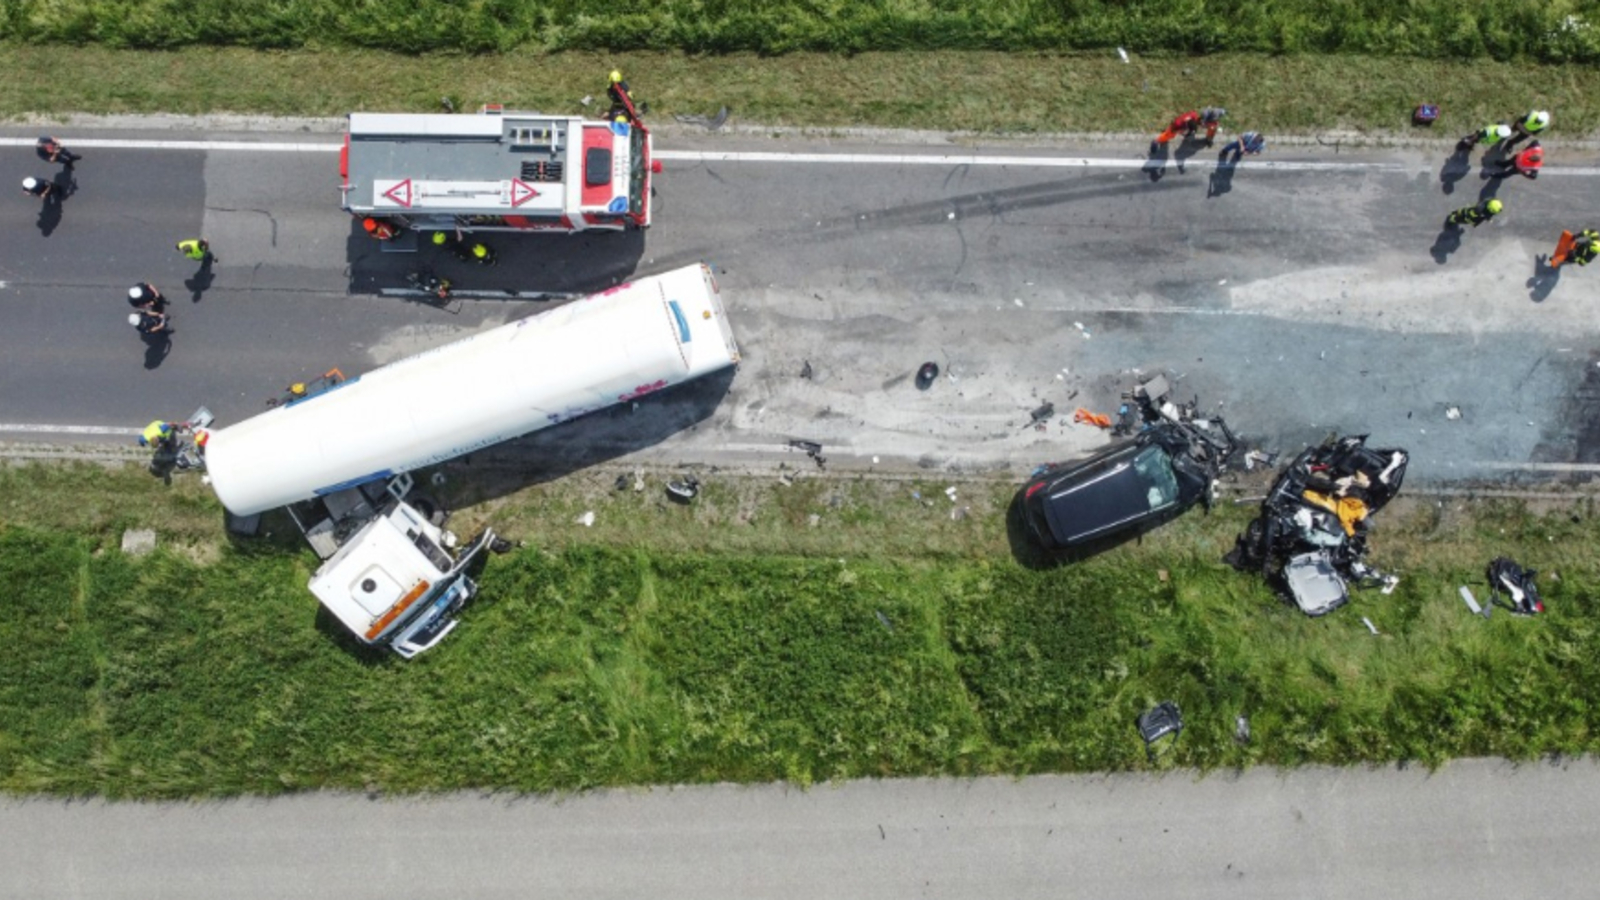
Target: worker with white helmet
145, 296
1527, 126
37, 187
1488, 135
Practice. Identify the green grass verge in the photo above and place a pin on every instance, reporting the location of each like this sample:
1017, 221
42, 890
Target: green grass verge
977, 91
735, 640
1551, 30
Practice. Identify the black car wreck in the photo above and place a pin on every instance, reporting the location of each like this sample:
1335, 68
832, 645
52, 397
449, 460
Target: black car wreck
1310, 538
1128, 488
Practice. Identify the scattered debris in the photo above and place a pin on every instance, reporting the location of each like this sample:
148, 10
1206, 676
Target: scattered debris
586, 520
951, 493
1162, 720
1522, 594
927, 375
621, 483
814, 520
1017, 301
1472, 602
1255, 457
958, 513
438, 479
884, 620
874, 460
1042, 414
1310, 537
138, 541
1162, 575
805, 370
1370, 627
1122, 53
1241, 728
684, 489
1453, 413
1085, 417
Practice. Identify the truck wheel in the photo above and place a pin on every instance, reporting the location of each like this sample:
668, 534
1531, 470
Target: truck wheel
430, 509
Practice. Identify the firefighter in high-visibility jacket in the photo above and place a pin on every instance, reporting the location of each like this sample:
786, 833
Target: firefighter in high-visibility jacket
1585, 247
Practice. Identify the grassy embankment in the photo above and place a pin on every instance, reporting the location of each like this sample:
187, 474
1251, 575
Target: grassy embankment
1045, 65
734, 640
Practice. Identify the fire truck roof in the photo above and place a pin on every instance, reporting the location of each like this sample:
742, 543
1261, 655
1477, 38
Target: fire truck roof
498, 164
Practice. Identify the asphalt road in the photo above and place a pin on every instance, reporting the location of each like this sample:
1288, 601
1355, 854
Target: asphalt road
1472, 829
1316, 296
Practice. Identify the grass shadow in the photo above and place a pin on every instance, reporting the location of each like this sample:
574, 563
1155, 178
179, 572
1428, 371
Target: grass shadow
156, 348
1455, 168
200, 281
1156, 166
590, 440
1544, 279
560, 264
1448, 242
1186, 151
1221, 178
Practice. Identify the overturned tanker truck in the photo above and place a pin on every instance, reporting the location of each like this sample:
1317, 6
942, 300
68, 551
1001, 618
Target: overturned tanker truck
338, 460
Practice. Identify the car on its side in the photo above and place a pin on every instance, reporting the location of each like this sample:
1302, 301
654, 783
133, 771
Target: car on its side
1125, 489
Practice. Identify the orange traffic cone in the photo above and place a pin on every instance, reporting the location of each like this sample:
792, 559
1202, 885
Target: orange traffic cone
1563, 248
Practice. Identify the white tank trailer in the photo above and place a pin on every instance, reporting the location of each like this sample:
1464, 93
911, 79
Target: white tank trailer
347, 449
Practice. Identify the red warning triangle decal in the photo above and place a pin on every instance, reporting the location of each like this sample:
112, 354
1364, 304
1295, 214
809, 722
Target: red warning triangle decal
400, 193
521, 192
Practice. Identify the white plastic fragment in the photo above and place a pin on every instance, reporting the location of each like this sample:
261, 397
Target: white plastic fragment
1472, 603
586, 520
1122, 53
1370, 627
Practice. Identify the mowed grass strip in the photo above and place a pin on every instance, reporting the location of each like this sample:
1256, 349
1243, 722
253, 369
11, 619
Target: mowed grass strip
986, 92
1548, 30
732, 650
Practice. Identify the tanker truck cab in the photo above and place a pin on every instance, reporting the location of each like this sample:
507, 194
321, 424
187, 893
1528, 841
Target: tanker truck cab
393, 581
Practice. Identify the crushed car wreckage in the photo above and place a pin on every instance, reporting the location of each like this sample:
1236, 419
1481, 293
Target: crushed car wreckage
1171, 463
1310, 539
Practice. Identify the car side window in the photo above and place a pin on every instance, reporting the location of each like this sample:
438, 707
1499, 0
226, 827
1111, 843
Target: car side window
1155, 471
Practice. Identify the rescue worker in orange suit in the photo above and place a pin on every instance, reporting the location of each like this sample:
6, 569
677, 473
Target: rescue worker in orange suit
1186, 124
1527, 163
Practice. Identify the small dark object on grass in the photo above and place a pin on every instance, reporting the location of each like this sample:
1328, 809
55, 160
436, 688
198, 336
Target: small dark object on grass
926, 375
1425, 114
621, 483
1158, 722
685, 490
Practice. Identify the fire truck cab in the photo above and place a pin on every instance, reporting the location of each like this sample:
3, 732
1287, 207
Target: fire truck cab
498, 170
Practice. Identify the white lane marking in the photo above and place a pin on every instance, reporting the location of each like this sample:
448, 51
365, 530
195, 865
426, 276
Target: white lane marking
1540, 467
127, 144
68, 429
881, 159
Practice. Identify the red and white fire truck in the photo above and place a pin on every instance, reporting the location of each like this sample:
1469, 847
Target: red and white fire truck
499, 170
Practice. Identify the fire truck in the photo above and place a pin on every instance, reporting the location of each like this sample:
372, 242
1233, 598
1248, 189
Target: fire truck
499, 170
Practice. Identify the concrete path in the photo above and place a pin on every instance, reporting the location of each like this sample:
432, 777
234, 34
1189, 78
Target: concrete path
1473, 829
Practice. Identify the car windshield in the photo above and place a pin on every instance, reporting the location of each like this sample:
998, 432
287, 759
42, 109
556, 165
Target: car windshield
1155, 470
